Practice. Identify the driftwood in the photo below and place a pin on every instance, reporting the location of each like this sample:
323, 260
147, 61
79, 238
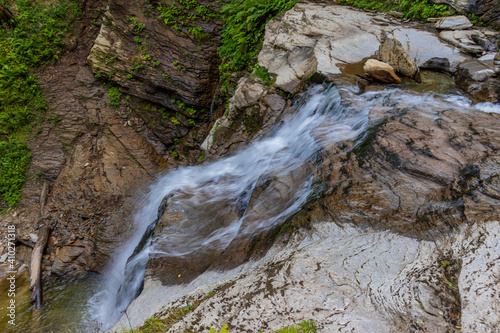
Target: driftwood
7, 16
24, 242
36, 267
43, 197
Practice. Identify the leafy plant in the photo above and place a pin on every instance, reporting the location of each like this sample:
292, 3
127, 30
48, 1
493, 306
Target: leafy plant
114, 96
136, 26
223, 330
307, 326
243, 33
14, 159
416, 9
181, 15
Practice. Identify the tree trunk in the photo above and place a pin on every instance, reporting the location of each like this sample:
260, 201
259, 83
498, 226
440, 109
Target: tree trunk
36, 267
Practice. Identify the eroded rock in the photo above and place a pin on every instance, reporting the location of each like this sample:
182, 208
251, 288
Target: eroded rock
478, 80
464, 39
392, 52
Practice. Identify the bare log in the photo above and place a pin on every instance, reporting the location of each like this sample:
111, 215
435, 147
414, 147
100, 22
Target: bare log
36, 267
43, 197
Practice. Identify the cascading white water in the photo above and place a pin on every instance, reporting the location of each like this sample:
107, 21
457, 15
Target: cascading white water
290, 144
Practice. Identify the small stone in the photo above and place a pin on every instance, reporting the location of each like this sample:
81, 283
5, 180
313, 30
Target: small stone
496, 63
34, 238
454, 23
380, 71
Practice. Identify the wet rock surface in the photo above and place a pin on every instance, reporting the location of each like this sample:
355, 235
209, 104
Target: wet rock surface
453, 23
411, 220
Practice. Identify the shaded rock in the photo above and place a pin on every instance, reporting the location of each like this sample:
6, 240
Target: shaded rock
464, 39
181, 71
391, 51
252, 110
437, 64
380, 71
71, 260
487, 10
479, 81
453, 23
177, 252
496, 63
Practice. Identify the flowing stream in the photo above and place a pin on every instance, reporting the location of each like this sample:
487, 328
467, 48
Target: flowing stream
292, 143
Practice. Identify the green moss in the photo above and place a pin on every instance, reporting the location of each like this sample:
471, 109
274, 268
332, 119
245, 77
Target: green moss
181, 15
416, 9
306, 326
14, 159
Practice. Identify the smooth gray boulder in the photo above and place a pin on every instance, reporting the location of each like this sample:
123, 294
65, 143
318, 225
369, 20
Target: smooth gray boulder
454, 23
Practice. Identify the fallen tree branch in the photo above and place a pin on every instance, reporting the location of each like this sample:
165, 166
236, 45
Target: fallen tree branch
24, 242
36, 267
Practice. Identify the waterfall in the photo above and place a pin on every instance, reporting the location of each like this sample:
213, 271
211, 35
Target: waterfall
290, 144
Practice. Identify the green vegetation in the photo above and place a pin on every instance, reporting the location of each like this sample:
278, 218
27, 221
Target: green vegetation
156, 325
416, 9
307, 326
261, 72
14, 159
445, 263
243, 33
114, 95
35, 40
182, 14
223, 330
136, 26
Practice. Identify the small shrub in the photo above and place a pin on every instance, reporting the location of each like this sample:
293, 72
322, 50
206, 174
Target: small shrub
114, 96
136, 26
243, 33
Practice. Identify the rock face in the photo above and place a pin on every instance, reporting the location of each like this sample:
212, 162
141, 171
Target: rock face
392, 52
92, 156
487, 10
453, 23
496, 63
253, 109
380, 71
406, 216
156, 62
478, 80
325, 37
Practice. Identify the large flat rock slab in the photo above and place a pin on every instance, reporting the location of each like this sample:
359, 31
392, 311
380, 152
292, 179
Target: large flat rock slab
321, 37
